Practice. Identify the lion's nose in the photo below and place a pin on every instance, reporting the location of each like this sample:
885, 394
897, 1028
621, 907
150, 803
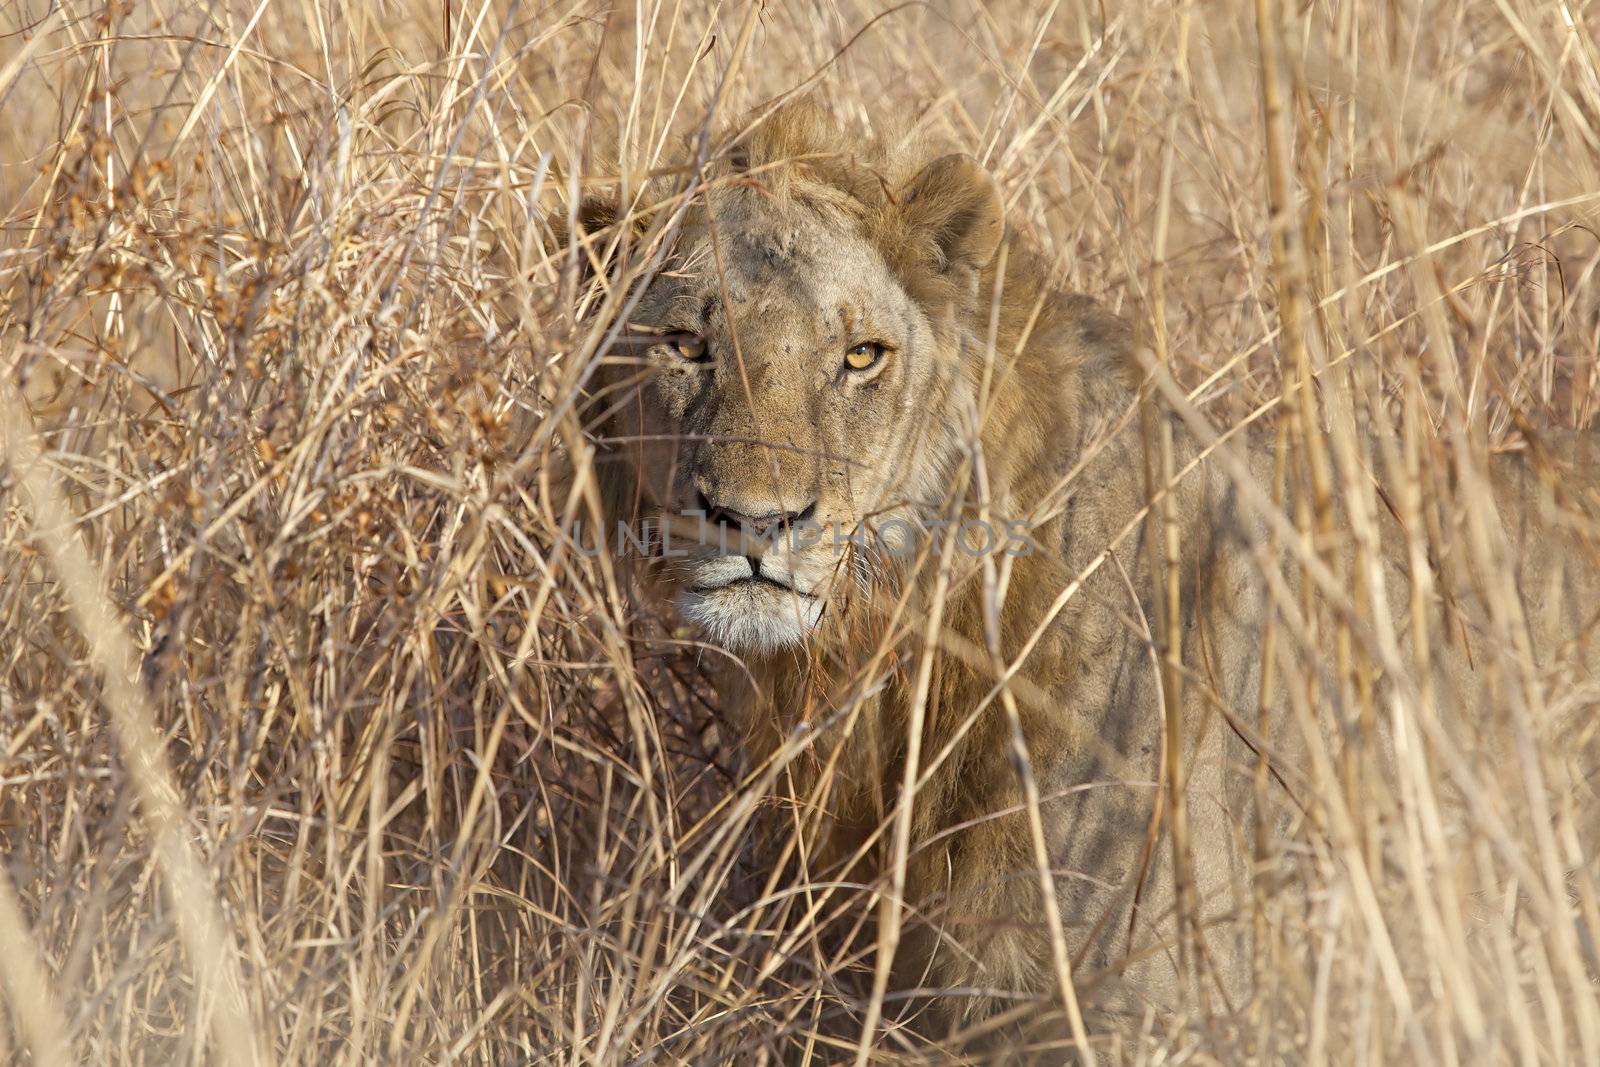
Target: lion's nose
751, 521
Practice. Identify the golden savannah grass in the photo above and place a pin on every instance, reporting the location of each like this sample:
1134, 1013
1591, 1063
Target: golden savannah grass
320, 739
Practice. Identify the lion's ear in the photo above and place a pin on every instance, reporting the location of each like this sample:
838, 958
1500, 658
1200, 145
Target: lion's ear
591, 232
956, 204
593, 215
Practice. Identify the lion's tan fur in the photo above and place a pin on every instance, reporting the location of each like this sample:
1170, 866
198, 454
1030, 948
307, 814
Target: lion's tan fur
1060, 440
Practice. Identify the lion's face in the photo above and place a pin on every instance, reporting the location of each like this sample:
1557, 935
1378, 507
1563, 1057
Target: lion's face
796, 405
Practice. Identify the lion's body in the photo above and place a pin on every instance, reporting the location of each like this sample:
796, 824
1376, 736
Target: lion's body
1053, 382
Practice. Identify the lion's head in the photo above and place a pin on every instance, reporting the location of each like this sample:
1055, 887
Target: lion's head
794, 367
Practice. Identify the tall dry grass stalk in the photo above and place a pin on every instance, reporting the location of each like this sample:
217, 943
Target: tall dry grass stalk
320, 741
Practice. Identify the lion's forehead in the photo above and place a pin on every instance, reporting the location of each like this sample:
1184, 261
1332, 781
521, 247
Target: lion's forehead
828, 278
760, 236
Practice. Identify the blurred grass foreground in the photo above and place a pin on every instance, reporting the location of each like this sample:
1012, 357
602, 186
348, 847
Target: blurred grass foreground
321, 743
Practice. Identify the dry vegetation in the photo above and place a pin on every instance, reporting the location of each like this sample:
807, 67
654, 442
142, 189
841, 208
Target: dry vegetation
318, 743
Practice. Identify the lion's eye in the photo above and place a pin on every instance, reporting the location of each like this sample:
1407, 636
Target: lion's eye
691, 348
864, 356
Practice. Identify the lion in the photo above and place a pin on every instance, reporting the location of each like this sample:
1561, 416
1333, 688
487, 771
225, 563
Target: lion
873, 423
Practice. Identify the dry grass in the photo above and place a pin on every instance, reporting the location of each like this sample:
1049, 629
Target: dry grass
318, 743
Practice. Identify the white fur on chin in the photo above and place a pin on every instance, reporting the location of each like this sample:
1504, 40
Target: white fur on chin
746, 617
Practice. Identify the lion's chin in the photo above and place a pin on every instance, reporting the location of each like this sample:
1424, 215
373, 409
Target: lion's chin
751, 615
